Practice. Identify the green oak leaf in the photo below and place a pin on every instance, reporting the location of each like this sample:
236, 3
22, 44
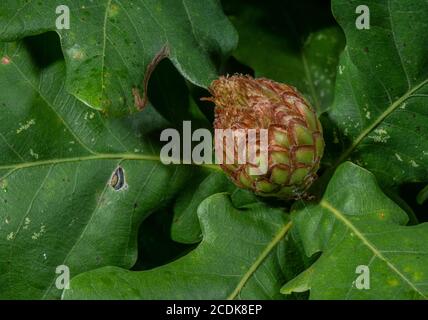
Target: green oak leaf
185, 227
57, 159
297, 43
112, 46
382, 90
244, 254
359, 226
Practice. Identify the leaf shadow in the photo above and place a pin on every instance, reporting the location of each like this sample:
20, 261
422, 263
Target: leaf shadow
45, 49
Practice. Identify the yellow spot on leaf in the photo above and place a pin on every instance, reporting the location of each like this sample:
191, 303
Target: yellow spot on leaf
392, 282
418, 276
114, 10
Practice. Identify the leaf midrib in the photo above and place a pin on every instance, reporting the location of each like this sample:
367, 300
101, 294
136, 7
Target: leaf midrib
341, 216
374, 124
253, 268
99, 156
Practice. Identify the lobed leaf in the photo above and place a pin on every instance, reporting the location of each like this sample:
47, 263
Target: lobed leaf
57, 159
359, 226
243, 255
382, 90
112, 44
